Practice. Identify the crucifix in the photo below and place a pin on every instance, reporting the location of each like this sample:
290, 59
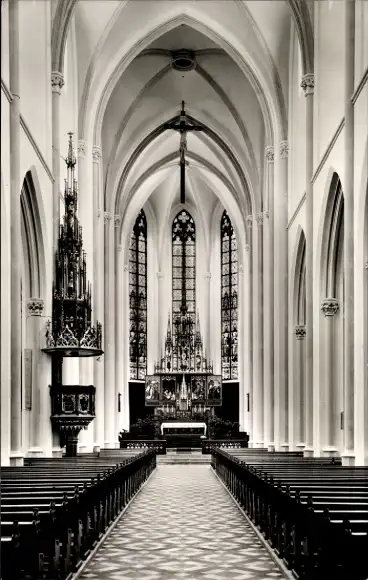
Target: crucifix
183, 126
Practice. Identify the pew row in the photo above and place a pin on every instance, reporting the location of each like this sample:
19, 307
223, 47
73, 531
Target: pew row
313, 512
54, 511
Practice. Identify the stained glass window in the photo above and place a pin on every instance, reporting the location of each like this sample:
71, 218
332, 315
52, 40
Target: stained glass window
183, 265
229, 299
138, 298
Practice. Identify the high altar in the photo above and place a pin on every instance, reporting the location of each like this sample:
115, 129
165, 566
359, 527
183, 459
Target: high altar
183, 388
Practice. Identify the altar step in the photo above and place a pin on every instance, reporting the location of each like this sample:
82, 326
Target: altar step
176, 457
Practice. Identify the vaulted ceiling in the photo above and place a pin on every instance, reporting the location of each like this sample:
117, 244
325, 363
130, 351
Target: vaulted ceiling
237, 91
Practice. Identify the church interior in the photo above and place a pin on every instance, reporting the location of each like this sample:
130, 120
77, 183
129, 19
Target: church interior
184, 289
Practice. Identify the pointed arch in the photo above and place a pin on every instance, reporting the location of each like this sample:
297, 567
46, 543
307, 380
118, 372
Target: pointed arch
229, 299
138, 299
183, 265
32, 238
299, 293
332, 240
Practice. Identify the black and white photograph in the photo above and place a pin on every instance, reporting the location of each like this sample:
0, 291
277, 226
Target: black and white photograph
184, 290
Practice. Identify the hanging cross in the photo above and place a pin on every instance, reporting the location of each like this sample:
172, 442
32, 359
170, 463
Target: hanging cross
183, 127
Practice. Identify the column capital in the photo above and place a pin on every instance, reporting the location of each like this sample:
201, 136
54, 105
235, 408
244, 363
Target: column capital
247, 247
270, 153
96, 153
330, 306
160, 275
35, 306
241, 269
207, 275
249, 221
117, 220
307, 84
366, 265
57, 81
81, 150
107, 216
300, 331
126, 267
266, 214
259, 218
119, 248
284, 149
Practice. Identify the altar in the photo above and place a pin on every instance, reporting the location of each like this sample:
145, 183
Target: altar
183, 385
188, 426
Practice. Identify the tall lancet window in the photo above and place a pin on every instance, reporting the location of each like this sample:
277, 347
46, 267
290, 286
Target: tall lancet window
183, 266
229, 299
138, 298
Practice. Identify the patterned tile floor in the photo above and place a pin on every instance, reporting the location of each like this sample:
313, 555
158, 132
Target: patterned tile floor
182, 525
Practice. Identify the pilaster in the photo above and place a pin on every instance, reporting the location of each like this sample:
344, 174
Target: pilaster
37, 411
98, 293
348, 456
16, 454
258, 395
329, 307
281, 301
297, 428
109, 331
307, 84
241, 349
119, 315
268, 301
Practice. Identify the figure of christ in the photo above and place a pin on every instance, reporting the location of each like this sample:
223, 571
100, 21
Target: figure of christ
183, 127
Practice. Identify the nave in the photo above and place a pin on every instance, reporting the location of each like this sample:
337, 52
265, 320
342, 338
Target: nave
183, 524
144, 513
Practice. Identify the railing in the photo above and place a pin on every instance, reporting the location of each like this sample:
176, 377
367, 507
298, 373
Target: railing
159, 445
309, 544
65, 536
209, 444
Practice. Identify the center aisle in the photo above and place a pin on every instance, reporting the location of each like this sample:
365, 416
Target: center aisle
183, 524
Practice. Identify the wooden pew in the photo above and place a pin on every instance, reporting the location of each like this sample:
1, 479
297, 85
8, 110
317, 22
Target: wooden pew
53, 512
306, 509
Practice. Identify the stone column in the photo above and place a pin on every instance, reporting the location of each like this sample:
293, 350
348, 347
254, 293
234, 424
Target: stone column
98, 296
329, 307
241, 349
109, 331
57, 83
281, 302
299, 388
268, 310
207, 300
85, 211
34, 313
258, 409
162, 314
119, 317
348, 456
125, 340
16, 454
308, 87
248, 376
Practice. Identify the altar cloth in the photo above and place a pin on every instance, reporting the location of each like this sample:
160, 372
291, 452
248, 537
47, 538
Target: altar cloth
184, 425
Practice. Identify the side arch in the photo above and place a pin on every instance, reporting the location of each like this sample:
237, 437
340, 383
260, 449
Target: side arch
32, 235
